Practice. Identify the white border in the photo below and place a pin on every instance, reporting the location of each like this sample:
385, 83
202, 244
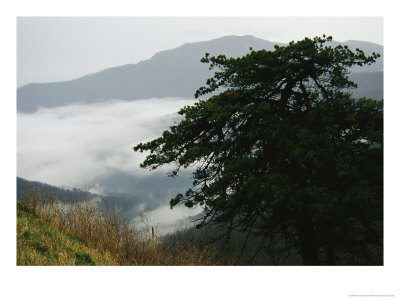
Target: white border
196, 282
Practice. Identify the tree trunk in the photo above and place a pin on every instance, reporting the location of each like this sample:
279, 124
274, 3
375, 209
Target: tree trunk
330, 254
307, 242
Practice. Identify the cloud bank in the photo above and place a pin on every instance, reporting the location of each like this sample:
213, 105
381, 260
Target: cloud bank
91, 145
71, 144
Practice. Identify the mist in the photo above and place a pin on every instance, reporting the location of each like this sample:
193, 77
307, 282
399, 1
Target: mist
90, 147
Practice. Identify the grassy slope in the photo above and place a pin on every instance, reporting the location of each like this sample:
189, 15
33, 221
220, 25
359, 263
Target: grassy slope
41, 243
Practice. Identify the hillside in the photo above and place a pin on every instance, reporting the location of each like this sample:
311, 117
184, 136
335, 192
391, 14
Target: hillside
41, 243
62, 194
50, 232
171, 73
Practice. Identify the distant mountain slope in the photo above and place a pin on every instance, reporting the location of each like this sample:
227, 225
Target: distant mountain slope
45, 189
126, 202
172, 73
370, 84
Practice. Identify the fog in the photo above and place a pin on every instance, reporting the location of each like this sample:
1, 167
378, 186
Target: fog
90, 147
164, 220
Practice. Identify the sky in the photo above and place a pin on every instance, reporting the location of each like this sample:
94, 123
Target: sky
63, 48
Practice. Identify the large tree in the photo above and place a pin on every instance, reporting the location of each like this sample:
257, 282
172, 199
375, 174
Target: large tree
284, 151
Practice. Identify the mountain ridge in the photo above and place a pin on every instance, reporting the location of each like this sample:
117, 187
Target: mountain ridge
174, 72
185, 44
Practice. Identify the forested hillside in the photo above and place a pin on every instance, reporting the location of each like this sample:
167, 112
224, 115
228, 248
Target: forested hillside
65, 195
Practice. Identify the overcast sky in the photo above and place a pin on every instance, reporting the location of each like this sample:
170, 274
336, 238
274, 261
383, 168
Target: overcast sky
63, 48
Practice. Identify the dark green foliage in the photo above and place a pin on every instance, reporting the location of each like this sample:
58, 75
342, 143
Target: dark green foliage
83, 259
285, 152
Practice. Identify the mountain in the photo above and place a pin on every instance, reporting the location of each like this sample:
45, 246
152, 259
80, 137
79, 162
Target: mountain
171, 73
370, 84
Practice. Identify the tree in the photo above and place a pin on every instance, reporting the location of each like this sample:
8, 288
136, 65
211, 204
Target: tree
284, 151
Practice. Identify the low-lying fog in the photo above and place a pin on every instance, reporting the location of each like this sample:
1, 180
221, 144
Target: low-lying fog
90, 146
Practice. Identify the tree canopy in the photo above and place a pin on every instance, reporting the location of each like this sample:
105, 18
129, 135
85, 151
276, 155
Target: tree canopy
284, 151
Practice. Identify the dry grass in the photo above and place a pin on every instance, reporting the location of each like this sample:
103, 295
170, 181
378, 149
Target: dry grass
108, 232
41, 243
